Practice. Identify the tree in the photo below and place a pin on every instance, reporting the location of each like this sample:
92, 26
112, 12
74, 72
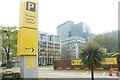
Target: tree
91, 56
0, 44
110, 42
9, 42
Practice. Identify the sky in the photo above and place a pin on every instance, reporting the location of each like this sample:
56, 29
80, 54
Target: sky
100, 15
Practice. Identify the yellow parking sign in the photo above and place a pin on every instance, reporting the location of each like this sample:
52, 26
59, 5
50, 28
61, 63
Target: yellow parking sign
29, 14
28, 31
27, 42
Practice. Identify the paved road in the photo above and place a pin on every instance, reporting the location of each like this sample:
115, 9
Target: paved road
73, 74
50, 73
77, 79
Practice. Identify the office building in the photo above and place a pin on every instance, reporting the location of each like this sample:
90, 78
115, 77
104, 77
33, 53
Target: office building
71, 47
81, 30
49, 48
73, 36
64, 30
69, 29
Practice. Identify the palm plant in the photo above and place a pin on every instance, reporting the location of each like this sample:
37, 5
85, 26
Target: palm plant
91, 56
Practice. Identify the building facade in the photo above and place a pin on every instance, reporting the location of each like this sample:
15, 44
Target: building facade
81, 30
49, 48
71, 47
69, 29
73, 36
64, 30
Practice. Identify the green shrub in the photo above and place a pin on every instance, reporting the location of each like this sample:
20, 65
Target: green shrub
10, 76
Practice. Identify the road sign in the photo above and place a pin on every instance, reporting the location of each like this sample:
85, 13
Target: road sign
28, 39
110, 61
27, 42
75, 62
29, 14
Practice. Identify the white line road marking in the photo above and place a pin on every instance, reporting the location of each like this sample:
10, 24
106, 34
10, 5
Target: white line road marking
85, 73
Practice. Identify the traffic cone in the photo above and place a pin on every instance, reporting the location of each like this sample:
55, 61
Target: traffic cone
117, 74
110, 72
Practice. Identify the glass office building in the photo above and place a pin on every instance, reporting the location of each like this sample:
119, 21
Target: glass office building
69, 29
81, 30
64, 30
73, 36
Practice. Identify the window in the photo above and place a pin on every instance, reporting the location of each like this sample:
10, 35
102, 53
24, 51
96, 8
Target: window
50, 38
41, 37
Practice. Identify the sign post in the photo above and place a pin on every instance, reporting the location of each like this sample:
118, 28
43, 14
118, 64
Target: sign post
28, 39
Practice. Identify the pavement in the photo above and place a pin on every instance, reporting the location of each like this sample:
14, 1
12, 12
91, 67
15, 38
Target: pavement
48, 72
74, 74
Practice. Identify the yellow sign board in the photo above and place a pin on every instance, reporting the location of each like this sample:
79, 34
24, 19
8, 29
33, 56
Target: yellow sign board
110, 61
107, 61
30, 61
75, 62
27, 42
29, 14
28, 34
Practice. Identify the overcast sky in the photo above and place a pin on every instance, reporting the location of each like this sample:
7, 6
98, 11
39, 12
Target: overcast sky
100, 15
